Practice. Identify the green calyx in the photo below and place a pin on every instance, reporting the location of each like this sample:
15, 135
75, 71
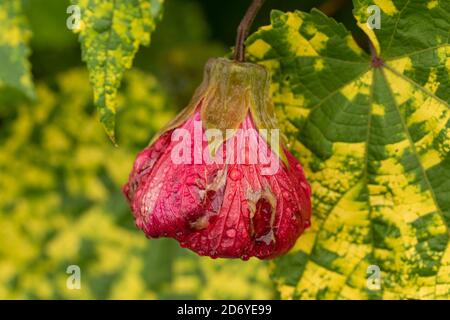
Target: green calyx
229, 91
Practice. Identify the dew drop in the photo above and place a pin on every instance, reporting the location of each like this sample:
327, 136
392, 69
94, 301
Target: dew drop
235, 174
191, 180
227, 242
307, 224
245, 257
161, 143
154, 154
231, 233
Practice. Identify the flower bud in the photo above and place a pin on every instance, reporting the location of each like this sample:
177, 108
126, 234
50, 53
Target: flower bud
218, 179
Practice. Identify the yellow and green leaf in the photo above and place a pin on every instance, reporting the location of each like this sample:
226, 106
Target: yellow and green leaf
61, 204
375, 143
110, 33
15, 70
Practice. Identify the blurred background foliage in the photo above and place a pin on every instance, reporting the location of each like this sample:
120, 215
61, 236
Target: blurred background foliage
60, 177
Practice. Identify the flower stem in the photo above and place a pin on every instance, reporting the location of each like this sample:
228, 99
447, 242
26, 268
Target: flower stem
244, 28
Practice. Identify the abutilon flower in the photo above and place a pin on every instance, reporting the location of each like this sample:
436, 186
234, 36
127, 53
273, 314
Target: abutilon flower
214, 180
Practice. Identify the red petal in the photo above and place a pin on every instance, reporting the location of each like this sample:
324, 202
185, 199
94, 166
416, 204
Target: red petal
220, 210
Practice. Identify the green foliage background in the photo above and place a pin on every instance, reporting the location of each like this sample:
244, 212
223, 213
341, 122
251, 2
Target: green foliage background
60, 176
373, 139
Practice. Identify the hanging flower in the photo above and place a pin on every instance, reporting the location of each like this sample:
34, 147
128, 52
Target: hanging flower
218, 179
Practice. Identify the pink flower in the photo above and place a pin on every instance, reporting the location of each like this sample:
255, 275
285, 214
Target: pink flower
216, 182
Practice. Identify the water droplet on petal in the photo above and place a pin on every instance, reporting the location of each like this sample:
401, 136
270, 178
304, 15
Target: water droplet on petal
231, 233
191, 180
227, 242
307, 224
235, 174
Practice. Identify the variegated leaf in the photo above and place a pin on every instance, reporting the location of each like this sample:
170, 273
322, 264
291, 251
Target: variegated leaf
15, 68
111, 32
375, 142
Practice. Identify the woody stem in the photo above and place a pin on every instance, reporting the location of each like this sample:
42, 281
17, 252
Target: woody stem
244, 29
